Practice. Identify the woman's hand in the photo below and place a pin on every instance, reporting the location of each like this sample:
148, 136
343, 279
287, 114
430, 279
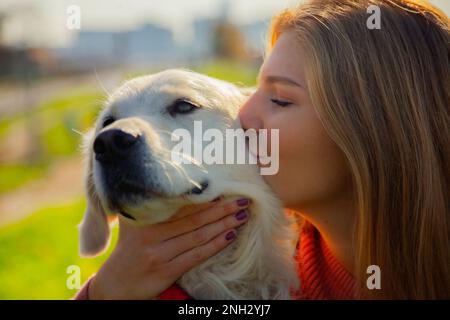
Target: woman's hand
147, 260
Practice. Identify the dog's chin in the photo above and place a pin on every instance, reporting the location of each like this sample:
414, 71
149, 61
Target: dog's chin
145, 211
137, 203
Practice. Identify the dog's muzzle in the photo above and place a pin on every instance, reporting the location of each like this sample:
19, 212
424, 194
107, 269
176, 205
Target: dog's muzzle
125, 176
118, 153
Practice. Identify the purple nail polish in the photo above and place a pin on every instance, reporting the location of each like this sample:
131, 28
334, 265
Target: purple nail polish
241, 215
243, 202
230, 235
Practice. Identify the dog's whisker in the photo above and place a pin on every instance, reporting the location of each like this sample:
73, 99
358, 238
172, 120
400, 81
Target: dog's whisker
99, 101
164, 131
163, 159
190, 159
171, 133
165, 171
78, 132
101, 84
183, 172
193, 162
180, 170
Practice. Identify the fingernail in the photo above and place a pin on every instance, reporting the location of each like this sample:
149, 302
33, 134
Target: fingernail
230, 235
243, 202
241, 215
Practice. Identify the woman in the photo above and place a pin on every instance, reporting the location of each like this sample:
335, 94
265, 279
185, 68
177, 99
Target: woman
364, 123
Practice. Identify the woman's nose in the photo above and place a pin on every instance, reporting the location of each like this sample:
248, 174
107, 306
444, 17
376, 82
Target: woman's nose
249, 116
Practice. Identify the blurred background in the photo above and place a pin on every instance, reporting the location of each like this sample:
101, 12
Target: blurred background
55, 72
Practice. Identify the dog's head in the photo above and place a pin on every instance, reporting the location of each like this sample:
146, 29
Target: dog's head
130, 170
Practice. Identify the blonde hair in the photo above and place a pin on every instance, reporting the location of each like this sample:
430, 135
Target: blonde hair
383, 97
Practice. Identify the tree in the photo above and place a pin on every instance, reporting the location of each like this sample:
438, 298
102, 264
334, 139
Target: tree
229, 42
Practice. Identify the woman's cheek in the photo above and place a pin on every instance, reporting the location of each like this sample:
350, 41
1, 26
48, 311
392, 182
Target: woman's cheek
303, 173
286, 181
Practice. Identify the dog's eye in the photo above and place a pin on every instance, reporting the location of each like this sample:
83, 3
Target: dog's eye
108, 121
182, 107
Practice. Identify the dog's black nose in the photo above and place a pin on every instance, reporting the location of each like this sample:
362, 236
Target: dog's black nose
113, 143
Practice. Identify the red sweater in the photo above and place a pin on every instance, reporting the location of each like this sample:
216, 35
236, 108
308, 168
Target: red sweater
321, 275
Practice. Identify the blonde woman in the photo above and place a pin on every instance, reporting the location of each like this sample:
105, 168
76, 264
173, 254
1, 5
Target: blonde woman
364, 122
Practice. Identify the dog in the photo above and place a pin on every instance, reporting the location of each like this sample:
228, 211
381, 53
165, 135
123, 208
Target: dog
146, 186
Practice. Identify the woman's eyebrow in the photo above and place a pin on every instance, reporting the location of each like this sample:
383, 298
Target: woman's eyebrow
279, 79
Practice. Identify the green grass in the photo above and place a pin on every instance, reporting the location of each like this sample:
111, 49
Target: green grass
53, 125
60, 118
56, 120
13, 176
74, 101
36, 252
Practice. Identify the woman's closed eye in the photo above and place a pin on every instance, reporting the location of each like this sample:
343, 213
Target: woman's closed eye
280, 103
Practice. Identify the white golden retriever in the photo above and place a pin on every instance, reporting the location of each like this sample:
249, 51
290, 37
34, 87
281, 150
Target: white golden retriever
137, 179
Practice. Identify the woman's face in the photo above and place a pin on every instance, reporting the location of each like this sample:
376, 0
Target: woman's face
312, 169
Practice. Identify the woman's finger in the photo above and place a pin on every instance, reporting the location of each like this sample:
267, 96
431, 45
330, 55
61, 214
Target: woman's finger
186, 261
193, 208
196, 220
185, 242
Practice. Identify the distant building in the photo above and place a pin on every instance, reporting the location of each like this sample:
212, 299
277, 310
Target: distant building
202, 45
152, 45
25, 62
149, 44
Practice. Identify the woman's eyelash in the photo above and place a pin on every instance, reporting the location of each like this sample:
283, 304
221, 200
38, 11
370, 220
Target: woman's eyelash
280, 102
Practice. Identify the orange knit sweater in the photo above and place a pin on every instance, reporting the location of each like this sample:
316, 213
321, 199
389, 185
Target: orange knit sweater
321, 275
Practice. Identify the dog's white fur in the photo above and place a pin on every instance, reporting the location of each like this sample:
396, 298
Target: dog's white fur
260, 263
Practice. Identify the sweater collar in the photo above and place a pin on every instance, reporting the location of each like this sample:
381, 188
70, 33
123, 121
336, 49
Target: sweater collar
322, 276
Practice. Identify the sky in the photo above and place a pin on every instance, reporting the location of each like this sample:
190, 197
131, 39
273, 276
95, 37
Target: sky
43, 22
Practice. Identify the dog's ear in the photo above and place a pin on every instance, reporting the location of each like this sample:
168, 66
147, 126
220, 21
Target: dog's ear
94, 230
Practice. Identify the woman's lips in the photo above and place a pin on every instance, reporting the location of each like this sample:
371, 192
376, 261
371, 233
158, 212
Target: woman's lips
255, 156
259, 159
